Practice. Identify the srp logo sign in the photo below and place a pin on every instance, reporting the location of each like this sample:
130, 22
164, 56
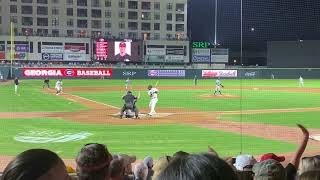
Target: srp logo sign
129, 73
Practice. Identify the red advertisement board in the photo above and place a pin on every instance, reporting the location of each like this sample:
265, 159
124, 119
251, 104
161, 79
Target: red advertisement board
2, 55
66, 72
219, 73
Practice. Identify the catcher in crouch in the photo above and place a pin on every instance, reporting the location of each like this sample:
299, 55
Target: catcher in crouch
218, 86
129, 106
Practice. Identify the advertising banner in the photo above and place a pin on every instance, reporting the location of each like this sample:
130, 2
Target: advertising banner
19, 47
2, 48
51, 49
219, 73
52, 56
75, 49
156, 52
74, 57
201, 55
102, 49
219, 55
166, 73
2, 55
174, 58
66, 72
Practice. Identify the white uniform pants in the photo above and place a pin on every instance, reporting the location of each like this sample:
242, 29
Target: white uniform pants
152, 105
218, 88
15, 88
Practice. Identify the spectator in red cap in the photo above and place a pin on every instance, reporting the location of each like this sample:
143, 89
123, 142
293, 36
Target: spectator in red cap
122, 55
272, 156
291, 168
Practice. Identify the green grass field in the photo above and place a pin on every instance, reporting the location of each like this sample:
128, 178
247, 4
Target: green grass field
156, 139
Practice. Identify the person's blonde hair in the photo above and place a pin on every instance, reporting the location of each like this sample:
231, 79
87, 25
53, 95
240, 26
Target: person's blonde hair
310, 175
309, 164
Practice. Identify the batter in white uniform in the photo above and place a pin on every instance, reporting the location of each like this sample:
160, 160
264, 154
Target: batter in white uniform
153, 93
58, 86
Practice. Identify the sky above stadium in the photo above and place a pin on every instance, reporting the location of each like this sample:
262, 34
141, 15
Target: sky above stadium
263, 20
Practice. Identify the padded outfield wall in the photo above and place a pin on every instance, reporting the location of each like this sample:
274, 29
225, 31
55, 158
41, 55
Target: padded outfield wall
114, 73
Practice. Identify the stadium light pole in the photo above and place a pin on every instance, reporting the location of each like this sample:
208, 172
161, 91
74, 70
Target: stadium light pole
215, 23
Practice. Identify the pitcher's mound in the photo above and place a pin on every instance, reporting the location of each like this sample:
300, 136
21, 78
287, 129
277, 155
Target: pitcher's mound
223, 96
145, 115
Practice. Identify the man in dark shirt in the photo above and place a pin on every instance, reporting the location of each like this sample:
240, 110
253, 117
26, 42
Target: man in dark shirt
129, 104
46, 83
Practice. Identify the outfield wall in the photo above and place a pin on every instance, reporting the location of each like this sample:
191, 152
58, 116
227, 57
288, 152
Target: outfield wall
113, 73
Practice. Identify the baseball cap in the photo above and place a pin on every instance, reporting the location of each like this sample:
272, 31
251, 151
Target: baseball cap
244, 162
122, 44
272, 156
269, 169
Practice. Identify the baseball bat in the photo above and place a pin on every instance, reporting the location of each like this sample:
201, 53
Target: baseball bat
156, 84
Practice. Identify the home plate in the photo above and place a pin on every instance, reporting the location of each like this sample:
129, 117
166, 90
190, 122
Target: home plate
315, 137
145, 115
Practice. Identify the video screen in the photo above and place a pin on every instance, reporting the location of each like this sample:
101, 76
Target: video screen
122, 51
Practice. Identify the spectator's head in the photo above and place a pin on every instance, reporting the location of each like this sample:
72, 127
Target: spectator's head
122, 47
244, 162
269, 169
127, 161
310, 175
140, 171
148, 161
93, 162
161, 164
116, 170
272, 156
40, 164
198, 166
180, 154
309, 164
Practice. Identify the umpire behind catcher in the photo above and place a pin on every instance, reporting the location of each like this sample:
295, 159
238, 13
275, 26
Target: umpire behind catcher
130, 104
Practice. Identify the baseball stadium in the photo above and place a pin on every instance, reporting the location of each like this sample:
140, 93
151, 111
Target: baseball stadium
246, 96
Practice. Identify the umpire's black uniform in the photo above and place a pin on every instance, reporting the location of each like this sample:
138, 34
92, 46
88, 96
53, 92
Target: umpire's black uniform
130, 101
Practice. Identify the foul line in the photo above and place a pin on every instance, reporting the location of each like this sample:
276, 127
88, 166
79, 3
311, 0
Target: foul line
84, 99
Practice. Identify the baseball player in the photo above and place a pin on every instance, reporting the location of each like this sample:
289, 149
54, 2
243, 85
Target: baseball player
301, 82
218, 87
195, 80
127, 83
58, 87
16, 85
46, 83
129, 104
153, 93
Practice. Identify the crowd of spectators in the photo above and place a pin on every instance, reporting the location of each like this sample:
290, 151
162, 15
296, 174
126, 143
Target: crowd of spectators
95, 162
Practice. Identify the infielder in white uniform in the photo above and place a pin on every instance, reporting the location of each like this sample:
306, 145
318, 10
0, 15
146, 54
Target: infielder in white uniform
301, 83
218, 87
58, 87
153, 93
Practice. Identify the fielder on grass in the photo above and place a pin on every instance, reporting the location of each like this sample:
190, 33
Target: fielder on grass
301, 82
58, 87
153, 93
